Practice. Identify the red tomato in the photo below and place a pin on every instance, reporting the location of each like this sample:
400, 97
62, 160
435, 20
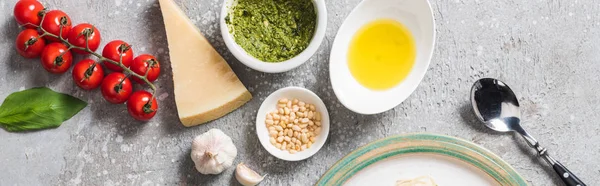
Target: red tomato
78, 34
52, 23
114, 50
142, 106
87, 74
116, 88
27, 13
140, 65
56, 58
29, 44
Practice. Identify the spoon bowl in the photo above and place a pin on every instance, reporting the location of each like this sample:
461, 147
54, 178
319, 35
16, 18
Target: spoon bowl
495, 105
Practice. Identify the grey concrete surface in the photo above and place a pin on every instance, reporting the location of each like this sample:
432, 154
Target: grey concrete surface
547, 51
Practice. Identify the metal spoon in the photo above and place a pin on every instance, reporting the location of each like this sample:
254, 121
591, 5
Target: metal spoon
496, 105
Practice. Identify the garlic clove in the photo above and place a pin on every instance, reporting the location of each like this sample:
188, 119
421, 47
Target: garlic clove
247, 176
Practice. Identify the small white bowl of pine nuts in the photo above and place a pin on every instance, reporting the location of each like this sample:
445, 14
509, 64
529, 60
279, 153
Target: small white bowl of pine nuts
292, 123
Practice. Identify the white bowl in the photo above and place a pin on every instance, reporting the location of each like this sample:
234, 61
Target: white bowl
277, 67
270, 104
417, 16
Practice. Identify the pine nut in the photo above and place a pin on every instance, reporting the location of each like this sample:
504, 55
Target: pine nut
286, 111
283, 100
278, 128
304, 120
295, 121
282, 125
290, 133
280, 139
296, 128
293, 151
318, 123
312, 107
289, 104
301, 103
303, 147
269, 116
311, 123
310, 115
304, 125
312, 139
287, 138
284, 146
273, 141
318, 116
295, 101
269, 122
289, 125
280, 133
273, 133
302, 108
276, 116
295, 108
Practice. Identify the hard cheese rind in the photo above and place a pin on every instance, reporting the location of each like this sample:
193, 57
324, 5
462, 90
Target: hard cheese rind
205, 86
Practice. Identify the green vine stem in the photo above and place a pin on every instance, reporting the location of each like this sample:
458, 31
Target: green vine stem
101, 59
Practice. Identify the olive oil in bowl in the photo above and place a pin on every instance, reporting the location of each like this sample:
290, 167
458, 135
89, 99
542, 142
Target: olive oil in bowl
381, 54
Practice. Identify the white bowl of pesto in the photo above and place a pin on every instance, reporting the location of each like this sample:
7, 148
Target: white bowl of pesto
274, 46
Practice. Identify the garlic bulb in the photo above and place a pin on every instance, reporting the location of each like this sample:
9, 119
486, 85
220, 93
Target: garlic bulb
247, 176
213, 152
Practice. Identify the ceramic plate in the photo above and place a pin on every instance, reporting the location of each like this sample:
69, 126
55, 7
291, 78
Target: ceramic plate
442, 158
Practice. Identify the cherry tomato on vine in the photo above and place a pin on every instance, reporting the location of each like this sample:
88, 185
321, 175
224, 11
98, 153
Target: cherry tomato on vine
28, 13
88, 74
114, 50
56, 58
116, 88
29, 44
141, 64
79, 33
52, 24
142, 106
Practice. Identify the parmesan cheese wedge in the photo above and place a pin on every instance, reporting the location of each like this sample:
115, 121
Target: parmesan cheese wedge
205, 86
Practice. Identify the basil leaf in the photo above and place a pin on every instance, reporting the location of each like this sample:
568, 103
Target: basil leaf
37, 108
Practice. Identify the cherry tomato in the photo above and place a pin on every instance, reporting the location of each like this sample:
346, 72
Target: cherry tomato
28, 13
142, 106
88, 74
78, 34
114, 50
29, 44
140, 65
56, 58
52, 23
116, 88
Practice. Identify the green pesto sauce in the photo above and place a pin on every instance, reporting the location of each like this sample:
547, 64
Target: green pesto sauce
272, 30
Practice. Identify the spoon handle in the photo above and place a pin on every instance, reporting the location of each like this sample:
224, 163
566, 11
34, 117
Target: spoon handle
565, 175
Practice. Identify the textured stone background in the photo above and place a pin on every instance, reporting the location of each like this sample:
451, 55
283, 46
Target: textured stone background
547, 51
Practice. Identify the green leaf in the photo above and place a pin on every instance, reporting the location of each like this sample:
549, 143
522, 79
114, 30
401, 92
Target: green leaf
37, 108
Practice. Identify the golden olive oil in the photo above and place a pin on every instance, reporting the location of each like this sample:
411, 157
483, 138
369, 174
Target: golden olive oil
381, 54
